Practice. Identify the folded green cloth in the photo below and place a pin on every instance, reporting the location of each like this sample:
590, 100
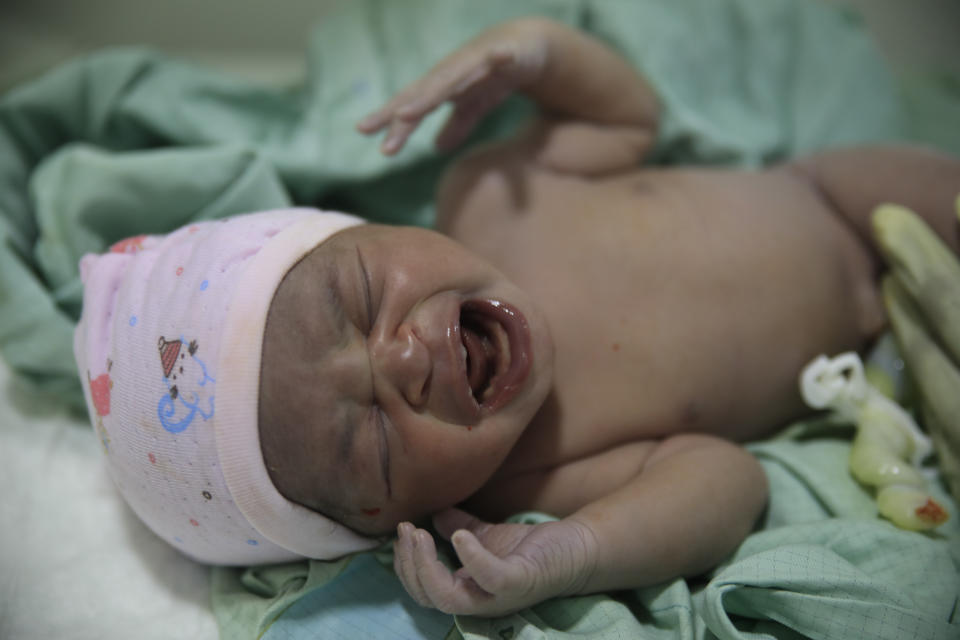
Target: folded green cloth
128, 141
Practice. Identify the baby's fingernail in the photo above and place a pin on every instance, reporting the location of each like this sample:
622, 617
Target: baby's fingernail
390, 145
409, 111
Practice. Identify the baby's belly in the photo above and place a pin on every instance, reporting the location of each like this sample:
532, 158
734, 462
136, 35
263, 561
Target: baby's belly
678, 301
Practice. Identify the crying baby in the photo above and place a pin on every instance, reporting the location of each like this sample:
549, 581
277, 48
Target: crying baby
586, 336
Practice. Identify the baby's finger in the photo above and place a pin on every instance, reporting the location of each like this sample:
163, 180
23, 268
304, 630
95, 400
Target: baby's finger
465, 117
397, 136
436, 581
373, 122
446, 592
404, 564
492, 573
411, 104
377, 120
442, 85
455, 79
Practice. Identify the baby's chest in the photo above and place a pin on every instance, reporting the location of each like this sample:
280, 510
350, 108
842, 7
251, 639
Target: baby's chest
677, 300
668, 320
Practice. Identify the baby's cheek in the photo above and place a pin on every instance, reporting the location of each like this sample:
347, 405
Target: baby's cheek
453, 481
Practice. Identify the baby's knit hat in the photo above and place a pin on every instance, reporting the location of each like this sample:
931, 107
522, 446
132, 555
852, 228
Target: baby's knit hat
168, 347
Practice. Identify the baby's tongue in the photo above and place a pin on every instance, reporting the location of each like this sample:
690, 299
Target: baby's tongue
480, 358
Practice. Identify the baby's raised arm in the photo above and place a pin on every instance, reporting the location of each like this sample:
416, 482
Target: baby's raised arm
573, 77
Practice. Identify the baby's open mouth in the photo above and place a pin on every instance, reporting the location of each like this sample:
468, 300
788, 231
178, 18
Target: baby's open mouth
496, 346
487, 352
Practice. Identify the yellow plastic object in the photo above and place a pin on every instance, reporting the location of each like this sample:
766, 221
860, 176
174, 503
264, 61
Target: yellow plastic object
888, 448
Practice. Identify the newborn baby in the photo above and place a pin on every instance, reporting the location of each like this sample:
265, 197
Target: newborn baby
589, 338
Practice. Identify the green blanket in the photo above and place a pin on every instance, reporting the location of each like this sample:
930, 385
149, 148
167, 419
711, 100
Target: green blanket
128, 141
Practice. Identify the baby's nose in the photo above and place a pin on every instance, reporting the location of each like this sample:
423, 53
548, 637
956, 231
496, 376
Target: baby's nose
405, 362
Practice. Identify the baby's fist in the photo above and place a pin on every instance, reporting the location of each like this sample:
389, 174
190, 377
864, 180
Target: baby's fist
506, 567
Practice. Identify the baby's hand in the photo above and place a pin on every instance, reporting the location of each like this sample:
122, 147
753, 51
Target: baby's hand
506, 567
476, 78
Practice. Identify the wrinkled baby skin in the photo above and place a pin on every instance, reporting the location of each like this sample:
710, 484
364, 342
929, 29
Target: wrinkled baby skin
398, 371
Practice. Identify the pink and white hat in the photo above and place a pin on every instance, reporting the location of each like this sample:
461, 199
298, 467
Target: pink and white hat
169, 347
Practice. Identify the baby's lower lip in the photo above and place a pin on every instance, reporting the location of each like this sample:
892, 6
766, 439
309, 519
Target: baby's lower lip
514, 358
